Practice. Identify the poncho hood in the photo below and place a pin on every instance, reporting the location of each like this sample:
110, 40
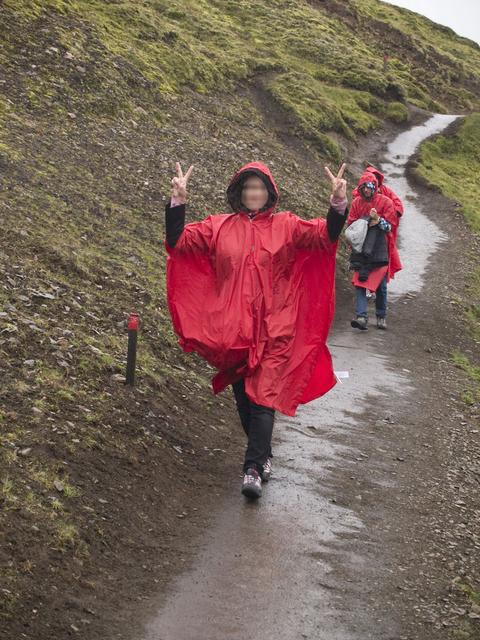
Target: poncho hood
367, 177
377, 173
252, 169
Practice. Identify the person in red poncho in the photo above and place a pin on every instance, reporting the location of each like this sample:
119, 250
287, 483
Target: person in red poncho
385, 191
376, 266
252, 292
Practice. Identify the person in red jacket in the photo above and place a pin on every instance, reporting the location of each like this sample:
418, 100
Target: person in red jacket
385, 191
380, 211
252, 292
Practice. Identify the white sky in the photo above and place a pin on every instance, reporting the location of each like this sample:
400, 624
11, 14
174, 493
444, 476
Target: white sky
463, 16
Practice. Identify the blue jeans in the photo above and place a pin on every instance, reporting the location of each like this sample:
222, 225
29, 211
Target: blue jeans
380, 300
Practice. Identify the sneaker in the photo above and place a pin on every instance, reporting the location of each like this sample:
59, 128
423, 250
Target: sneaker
267, 470
360, 323
252, 484
381, 323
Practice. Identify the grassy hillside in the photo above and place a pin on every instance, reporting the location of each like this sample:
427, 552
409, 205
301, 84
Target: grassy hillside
98, 99
451, 162
323, 62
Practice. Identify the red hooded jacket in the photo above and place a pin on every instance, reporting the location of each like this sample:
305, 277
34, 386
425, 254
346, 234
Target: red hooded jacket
384, 190
255, 298
361, 208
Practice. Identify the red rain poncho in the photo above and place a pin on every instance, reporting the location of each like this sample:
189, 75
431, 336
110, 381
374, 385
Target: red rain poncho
361, 208
255, 298
385, 191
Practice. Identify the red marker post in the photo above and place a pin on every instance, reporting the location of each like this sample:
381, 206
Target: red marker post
133, 322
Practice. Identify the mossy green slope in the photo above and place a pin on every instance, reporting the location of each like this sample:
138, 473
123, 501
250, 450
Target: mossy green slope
452, 163
323, 62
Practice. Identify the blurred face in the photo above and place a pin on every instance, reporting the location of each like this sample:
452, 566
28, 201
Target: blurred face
367, 190
254, 194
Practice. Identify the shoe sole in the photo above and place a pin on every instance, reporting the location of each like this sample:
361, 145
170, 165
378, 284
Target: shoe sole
356, 325
252, 493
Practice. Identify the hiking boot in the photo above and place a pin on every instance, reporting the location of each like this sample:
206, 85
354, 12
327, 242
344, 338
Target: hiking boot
252, 484
381, 323
360, 322
267, 470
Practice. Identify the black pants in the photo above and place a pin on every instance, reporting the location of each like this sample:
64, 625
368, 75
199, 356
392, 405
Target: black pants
257, 422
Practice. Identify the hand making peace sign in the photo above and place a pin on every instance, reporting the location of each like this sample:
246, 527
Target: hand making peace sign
339, 184
179, 183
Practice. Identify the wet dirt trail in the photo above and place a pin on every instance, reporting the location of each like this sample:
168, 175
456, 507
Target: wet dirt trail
302, 562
